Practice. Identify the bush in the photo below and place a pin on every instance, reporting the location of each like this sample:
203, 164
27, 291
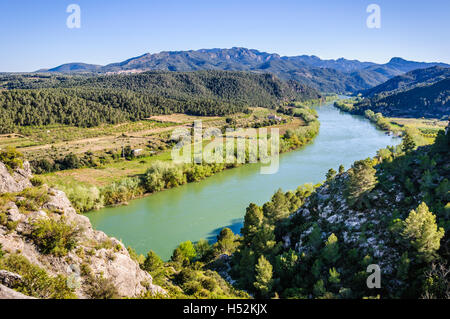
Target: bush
36, 181
101, 288
121, 192
163, 175
54, 237
35, 281
185, 251
35, 197
83, 198
11, 158
152, 262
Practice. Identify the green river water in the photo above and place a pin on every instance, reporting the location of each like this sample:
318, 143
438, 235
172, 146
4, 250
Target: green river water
200, 210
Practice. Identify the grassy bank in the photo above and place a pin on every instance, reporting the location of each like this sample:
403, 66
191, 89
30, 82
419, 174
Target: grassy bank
422, 131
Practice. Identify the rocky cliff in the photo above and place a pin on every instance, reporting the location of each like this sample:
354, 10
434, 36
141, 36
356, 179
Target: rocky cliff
94, 257
15, 182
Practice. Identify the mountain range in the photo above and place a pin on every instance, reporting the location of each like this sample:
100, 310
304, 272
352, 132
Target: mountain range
418, 93
410, 80
339, 76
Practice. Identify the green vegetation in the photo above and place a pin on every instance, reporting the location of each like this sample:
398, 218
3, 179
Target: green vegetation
313, 244
417, 94
11, 158
420, 227
417, 131
160, 175
361, 180
430, 101
89, 102
193, 271
54, 237
35, 281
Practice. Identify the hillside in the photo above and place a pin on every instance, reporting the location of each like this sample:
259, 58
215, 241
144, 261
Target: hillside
324, 75
89, 101
429, 101
419, 77
47, 250
317, 242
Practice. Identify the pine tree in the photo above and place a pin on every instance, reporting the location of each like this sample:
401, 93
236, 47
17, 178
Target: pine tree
226, 242
408, 144
252, 221
331, 250
319, 288
330, 175
361, 180
334, 276
421, 229
152, 262
315, 237
264, 274
341, 169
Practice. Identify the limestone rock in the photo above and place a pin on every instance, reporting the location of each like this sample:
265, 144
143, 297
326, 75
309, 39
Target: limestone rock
9, 279
7, 293
17, 182
105, 256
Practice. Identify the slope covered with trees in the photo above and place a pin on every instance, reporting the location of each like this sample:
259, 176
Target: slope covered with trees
407, 81
430, 101
90, 101
391, 211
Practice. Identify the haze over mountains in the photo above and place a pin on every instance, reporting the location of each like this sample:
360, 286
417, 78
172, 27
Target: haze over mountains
338, 76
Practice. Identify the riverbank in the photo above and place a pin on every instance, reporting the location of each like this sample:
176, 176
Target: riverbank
423, 131
158, 174
201, 210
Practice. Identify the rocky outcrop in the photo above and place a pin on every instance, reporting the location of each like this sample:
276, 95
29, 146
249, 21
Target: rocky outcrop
15, 182
104, 256
9, 279
7, 293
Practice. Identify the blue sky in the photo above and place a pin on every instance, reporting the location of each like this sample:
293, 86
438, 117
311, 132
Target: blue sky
34, 34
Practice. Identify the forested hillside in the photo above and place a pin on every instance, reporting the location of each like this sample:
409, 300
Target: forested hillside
392, 211
430, 101
89, 101
419, 77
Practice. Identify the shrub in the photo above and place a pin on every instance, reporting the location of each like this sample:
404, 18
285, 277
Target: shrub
36, 181
121, 192
54, 237
35, 280
83, 198
101, 288
11, 158
152, 262
185, 251
35, 197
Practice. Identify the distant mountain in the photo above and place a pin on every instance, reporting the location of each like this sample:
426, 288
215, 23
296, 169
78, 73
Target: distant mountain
339, 76
426, 100
75, 68
419, 77
406, 66
342, 65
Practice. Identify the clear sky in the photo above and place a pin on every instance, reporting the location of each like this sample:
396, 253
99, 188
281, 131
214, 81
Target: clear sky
34, 34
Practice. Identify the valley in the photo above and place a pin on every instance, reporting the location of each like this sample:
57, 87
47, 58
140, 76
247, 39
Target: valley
359, 177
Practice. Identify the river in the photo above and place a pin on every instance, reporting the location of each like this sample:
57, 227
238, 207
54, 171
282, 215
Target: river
200, 210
